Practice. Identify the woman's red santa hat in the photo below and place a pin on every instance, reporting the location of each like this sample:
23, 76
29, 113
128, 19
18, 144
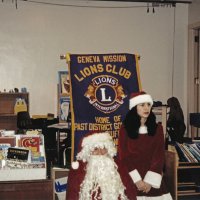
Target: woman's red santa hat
91, 141
138, 98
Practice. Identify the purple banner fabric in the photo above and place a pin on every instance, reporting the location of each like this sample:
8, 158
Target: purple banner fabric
100, 88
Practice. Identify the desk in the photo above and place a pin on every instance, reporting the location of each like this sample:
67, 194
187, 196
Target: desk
59, 127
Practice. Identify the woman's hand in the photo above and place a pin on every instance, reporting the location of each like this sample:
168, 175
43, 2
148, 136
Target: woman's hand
140, 185
147, 187
143, 186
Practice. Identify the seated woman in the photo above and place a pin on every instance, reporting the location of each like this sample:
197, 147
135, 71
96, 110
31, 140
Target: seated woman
141, 149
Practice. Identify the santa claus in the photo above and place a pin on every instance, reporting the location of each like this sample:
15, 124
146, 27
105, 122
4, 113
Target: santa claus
95, 174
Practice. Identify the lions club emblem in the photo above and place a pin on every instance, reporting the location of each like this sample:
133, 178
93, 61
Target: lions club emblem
105, 93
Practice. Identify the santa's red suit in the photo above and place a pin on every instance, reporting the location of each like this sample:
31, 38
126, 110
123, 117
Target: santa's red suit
76, 177
98, 177
144, 160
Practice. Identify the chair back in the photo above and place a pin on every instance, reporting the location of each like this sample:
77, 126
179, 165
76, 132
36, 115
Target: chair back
24, 120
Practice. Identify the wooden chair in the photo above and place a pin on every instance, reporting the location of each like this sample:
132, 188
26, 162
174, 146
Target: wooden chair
170, 173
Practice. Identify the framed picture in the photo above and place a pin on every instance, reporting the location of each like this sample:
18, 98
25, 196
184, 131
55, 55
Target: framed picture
64, 84
64, 103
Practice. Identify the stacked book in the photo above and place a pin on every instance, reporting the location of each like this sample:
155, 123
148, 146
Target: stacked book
188, 152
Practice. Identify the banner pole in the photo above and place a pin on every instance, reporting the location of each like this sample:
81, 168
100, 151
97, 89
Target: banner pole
62, 57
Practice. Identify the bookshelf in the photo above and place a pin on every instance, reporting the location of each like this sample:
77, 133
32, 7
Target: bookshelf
8, 120
186, 176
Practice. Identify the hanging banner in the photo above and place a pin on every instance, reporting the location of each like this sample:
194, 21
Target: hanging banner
100, 85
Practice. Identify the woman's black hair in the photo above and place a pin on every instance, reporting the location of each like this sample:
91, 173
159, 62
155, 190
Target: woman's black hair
132, 123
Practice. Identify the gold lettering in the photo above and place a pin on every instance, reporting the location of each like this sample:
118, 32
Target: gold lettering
109, 68
117, 118
87, 71
127, 74
79, 79
88, 59
81, 126
102, 120
121, 71
117, 125
100, 127
114, 58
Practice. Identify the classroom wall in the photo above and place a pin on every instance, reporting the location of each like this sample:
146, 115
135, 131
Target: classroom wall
33, 36
193, 14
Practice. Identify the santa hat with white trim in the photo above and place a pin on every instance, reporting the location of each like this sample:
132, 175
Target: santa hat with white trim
138, 98
91, 141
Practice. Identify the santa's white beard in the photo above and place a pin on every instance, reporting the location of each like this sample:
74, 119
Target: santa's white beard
102, 180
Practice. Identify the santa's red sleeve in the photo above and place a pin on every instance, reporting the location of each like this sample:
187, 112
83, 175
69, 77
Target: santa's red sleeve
75, 178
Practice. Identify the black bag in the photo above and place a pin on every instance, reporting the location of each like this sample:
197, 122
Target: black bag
175, 122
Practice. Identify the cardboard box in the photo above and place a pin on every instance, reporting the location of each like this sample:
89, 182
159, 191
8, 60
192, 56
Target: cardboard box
22, 174
30, 173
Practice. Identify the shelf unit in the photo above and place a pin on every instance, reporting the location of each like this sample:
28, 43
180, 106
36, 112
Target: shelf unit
188, 173
181, 174
8, 120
